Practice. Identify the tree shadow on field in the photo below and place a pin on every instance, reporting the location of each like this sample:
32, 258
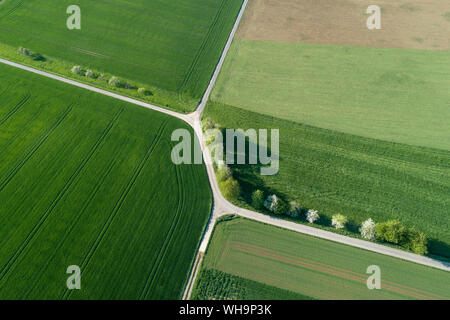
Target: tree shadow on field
438, 247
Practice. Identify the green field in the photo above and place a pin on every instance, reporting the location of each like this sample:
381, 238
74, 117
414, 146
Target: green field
314, 267
340, 173
170, 47
216, 285
87, 180
394, 95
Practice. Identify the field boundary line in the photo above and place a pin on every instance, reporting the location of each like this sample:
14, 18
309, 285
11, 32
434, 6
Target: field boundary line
60, 195
193, 276
118, 204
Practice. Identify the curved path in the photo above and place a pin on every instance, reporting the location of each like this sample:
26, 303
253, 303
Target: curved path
221, 206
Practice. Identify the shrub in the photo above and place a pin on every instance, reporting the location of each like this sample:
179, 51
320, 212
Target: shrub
76, 70
211, 135
24, 51
128, 85
271, 203
207, 124
282, 207
145, 92
294, 209
114, 81
391, 231
367, 229
230, 188
223, 173
338, 221
89, 73
416, 241
258, 199
312, 216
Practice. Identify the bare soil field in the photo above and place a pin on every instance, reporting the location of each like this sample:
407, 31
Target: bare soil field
413, 24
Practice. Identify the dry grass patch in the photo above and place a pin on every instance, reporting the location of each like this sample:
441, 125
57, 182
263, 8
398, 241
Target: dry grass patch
343, 22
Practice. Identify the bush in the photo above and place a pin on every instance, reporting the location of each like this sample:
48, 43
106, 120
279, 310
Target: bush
282, 207
128, 85
391, 231
338, 221
210, 135
312, 216
294, 209
230, 188
114, 81
76, 70
271, 203
258, 199
367, 229
89, 73
207, 124
24, 51
145, 92
223, 173
416, 241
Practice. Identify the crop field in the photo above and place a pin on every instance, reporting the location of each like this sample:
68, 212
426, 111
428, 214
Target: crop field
359, 177
87, 180
401, 96
216, 285
314, 267
363, 115
408, 24
171, 47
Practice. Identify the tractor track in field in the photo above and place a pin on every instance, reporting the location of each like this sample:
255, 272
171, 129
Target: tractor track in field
55, 202
73, 224
29, 123
194, 63
15, 109
11, 11
118, 204
221, 206
167, 241
34, 149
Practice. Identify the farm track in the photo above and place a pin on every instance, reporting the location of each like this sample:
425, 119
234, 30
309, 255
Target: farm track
220, 205
33, 150
118, 205
15, 109
168, 239
55, 202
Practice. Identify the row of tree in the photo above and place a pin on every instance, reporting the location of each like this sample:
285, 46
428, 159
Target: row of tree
392, 231
113, 81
